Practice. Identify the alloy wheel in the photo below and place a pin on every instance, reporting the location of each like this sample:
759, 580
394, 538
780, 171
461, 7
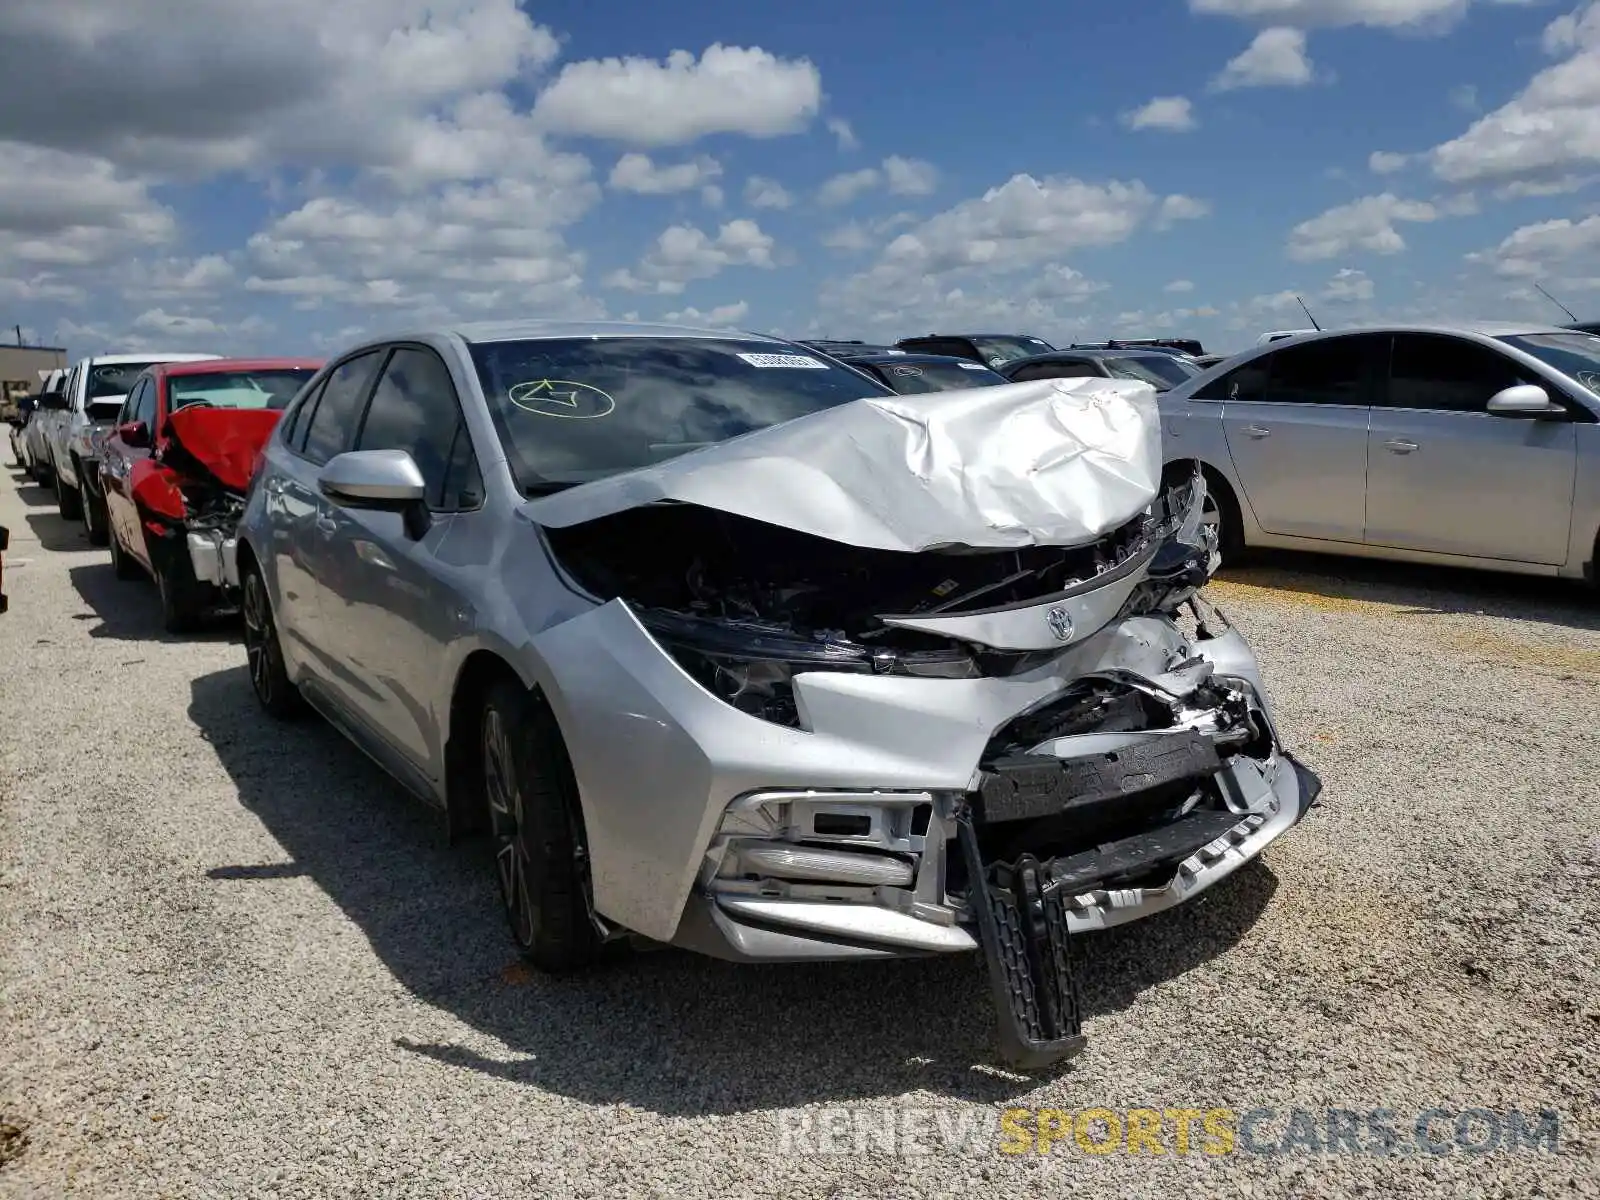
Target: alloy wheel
260, 639
513, 863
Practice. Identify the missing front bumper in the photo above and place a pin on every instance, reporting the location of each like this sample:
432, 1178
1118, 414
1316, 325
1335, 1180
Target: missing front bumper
215, 557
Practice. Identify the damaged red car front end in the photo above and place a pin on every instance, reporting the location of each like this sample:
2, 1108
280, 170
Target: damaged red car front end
176, 469
190, 493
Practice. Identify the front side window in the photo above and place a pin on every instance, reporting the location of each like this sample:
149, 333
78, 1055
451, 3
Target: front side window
1446, 374
1060, 369
571, 410
144, 406
272, 388
331, 424
414, 408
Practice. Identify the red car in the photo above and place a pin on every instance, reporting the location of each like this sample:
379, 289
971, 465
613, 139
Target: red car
176, 467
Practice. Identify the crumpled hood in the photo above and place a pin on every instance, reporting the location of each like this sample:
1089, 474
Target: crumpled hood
224, 441
1056, 462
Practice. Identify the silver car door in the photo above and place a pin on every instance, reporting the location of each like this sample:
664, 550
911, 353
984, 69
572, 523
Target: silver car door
395, 606
1296, 426
1447, 477
325, 429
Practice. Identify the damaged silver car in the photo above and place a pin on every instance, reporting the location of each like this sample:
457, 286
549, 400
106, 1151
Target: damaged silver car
727, 650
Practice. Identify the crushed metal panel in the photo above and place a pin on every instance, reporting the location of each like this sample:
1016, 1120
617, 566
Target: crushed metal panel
1055, 462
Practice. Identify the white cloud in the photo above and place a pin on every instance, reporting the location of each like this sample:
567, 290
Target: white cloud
1464, 96
1348, 286
683, 253
466, 247
995, 258
358, 85
843, 133
643, 102
71, 210
760, 192
1181, 208
41, 288
719, 317
637, 173
1543, 249
909, 176
712, 196
1172, 114
1549, 129
1179, 285
1364, 224
1275, 58
1386, 162
845, 187
1424, 15
852, 236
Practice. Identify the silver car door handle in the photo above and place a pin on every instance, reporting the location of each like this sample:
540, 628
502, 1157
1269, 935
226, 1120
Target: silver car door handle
1257, 431
1400, 446
326, 524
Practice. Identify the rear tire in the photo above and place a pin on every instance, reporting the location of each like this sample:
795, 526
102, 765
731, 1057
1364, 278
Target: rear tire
69, 500
541, 856
269, 678
95, 517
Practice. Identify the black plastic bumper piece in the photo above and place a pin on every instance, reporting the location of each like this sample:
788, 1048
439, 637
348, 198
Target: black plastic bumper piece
1022, 926
1025, 786
5, 544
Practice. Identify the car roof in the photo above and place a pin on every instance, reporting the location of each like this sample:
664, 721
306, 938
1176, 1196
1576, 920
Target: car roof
1014, 334
1491, 329
519, 331
113, 360
210, 365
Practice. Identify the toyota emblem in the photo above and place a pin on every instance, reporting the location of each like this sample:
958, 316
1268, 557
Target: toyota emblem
1060, 622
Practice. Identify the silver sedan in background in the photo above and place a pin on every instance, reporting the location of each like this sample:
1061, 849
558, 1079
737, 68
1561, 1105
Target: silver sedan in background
1473, 446
729, 647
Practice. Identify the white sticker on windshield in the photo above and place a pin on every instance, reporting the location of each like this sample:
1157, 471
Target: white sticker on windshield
971, 366
997, 361
783, 360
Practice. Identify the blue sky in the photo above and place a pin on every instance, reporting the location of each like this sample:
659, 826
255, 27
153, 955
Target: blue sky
867, 170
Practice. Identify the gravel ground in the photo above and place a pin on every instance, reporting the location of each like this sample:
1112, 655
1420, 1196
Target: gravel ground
235, 962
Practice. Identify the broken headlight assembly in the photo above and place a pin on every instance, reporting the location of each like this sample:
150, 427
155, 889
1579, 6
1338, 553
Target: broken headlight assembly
1187, 554
750, 665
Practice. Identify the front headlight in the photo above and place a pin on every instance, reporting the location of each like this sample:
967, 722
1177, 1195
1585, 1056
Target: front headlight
750, 665
1187, 556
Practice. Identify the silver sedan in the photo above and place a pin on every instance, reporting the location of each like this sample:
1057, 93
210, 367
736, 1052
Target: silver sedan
728, 647
1468, 446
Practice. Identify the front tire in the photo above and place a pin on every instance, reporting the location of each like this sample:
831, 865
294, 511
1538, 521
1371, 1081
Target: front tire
269, 678
182, 601
541, 856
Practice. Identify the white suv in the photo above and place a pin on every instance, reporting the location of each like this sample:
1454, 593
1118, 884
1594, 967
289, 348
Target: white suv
95, 390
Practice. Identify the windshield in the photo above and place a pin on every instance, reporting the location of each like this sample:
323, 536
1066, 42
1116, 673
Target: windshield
1575, 355
113, 379
1161, 371
912, 378
571, 410
998, 351
272, 388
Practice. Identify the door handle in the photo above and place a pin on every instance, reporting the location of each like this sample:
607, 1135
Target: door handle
1256, 431
1400, 446
326, 525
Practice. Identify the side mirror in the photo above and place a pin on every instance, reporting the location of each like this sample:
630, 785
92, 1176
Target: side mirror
386, 480
135, 434
53, 401
1525, 400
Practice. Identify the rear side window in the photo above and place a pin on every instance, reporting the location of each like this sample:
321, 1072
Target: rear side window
339, 407
1319, 373
1446, 374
